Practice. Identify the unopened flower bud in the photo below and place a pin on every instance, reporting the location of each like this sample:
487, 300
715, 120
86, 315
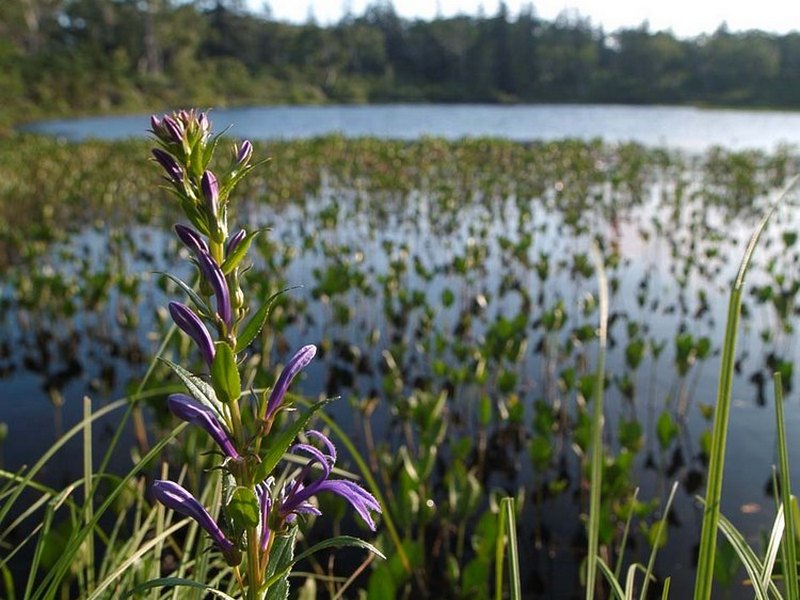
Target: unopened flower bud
171, 166
244, 153
210, 188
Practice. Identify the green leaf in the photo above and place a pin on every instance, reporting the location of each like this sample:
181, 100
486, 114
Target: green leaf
198, 389
283, 440
243, 508
225, 374
666, 429
177, 582
335, 542
279, 558
196, 299
256, 322
235, 258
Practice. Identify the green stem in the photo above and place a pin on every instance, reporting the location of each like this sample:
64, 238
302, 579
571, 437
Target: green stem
253, 572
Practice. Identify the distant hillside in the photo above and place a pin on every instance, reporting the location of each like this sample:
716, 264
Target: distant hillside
60, 57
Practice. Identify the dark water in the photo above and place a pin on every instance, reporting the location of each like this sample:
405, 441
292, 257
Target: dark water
360, 256
687, 128
408, 231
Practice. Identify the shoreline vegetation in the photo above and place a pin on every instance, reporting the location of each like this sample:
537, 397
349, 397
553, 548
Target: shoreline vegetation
88, 57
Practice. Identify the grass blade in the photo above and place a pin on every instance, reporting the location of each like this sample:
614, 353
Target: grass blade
616, 588
515, 587
711, 514
661, 525
596, 477
88, 491
789, 544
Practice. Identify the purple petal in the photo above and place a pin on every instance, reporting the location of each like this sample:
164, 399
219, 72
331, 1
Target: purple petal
155, 123
318, 435
173, 496
244, 153
190, 410
214, 276
210, 187
191, 239
361, 500
265, 504
234, 241
317, 456
170, 165
296, 364
203, 123
173, 128
191, 325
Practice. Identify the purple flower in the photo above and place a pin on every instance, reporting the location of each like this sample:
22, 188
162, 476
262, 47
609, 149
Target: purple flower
210, 188
203, 123
213, 275
265, 505
173, 496
191, 239
244, 153
172, 130
190, 410
296, 364
234, 241
191, 325
296, 496
171, 166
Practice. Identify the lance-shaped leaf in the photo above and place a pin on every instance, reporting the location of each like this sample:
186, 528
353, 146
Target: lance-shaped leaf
243, 508
191, 325
225, 374
198, 388
256, 323
296, 364
190, 410
279, 444
173, 496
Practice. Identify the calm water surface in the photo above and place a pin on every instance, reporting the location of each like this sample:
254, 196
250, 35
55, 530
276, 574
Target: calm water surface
364, 235
686, 128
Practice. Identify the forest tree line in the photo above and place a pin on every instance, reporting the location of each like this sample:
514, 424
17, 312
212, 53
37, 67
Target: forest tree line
60, 57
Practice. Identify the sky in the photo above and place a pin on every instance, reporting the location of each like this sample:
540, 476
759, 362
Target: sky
685, 18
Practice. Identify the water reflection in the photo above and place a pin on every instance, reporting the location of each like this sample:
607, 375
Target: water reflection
457, 322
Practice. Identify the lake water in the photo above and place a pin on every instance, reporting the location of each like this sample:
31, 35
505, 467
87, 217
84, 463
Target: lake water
686, 128
485, 248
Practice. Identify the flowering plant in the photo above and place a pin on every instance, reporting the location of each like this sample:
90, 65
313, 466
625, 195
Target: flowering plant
259, 508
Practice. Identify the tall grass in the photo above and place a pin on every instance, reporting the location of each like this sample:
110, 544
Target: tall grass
716, 465
759, 570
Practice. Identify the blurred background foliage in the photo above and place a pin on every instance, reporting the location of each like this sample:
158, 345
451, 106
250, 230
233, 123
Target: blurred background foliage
66, 57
